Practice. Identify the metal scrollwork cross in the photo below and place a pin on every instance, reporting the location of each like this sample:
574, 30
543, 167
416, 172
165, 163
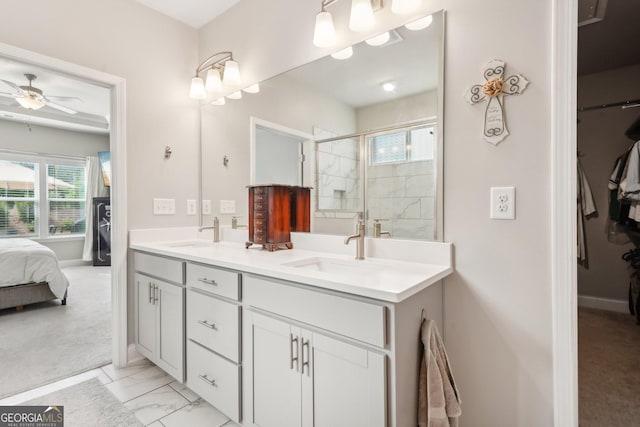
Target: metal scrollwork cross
494, 89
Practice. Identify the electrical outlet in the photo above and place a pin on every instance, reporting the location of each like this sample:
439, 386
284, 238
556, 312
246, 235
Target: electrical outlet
206, 207
503, 203
191, 207
227, 206
164, 206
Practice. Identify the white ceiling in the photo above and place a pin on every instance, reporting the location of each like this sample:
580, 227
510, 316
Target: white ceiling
92, 105
195, 13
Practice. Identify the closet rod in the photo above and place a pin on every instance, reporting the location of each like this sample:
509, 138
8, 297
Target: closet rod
623, 104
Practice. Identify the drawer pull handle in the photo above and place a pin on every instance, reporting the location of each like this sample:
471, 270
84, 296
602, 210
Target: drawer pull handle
305, 362
207, 281
150, 301
207, 380
207, 324
291, 358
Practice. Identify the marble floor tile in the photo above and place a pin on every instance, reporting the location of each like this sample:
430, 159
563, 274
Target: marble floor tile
184, 391
197, 414
156, 404
155, 424
133, 368
139, 383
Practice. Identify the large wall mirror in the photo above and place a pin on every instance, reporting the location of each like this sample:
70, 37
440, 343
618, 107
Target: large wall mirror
364, 131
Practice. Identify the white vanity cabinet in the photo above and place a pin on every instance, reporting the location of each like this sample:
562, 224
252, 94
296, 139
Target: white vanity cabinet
159, 291
304, 378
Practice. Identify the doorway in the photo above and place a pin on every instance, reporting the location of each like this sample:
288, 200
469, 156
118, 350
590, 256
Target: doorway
118, 189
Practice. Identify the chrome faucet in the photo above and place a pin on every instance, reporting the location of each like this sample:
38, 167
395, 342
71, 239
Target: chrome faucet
216, 229
377, 229
234, 223
360, 240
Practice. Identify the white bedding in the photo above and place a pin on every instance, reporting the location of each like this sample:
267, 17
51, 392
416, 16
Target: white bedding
25, 261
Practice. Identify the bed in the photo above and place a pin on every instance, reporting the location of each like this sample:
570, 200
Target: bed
29, 273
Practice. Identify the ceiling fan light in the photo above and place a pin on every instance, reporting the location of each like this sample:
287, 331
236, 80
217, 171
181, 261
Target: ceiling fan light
231, 75
197, 89
235, 95
324, 34
213, 83
404, 7
345, 53
378, 40
30, 103
361, 18
255, 88
420, 24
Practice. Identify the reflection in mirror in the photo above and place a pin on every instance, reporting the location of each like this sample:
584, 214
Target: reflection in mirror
363, 131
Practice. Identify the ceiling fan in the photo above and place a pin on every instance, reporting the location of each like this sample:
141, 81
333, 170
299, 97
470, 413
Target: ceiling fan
32, 98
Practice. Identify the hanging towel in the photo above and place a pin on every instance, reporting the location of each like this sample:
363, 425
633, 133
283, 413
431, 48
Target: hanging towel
439, 402
586, 207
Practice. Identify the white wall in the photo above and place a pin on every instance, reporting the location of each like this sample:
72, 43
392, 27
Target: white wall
498, 303
45, 140
405, 109
601, 139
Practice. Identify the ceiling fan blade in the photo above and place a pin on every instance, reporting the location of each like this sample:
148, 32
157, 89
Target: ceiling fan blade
64, 98
7, 95
60, 107
18, 89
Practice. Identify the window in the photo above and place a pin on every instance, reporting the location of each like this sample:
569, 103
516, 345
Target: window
403, 146
41, 197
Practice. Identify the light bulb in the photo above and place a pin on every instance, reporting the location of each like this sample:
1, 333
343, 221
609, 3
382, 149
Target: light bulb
389, 86
219, 101
404, 7
214, 84
197, 89
361, 18
324, 34
343, 54
420, 24
253, 88
235, 95
231, 76
378, 40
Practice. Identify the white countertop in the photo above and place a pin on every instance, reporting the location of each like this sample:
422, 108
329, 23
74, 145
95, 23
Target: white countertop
382, 278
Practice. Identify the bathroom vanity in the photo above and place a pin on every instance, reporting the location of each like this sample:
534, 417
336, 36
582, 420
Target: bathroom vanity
290, 338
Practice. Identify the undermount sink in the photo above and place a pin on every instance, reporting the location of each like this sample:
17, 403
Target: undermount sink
190, 244
336, 266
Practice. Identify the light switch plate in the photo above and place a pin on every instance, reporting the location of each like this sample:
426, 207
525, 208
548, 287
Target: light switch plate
206, 207
164, 206
192, 208
503, 203
227, 206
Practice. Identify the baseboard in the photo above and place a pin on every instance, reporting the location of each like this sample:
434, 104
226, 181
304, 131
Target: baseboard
132, 354
73, 262
618, 305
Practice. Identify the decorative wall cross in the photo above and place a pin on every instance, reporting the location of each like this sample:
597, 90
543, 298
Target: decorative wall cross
494, 89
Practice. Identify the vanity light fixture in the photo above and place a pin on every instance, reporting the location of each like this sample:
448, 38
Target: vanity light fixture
345, 53
378, 40
420, 24
219, 101
221, 63
324, 34
361, 19
235, 95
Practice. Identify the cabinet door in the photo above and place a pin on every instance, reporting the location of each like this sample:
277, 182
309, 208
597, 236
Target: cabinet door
276, 381
348, 384
145, 316
170, 348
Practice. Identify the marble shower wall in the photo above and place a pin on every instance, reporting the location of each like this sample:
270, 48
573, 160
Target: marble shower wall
404, 194
338, 175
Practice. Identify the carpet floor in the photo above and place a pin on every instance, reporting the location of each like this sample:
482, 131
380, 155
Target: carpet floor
608, 368
48, 341
89, 404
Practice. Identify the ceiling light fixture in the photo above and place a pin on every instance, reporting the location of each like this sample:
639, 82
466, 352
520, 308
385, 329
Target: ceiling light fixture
420, 24
378, 40
345, 53
221, 63
30, 102
389, 86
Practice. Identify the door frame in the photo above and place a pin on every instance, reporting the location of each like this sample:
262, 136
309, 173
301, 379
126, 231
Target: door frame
564, 283
117, 143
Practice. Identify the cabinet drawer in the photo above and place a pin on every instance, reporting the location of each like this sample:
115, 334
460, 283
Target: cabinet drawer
166, 268
214, 323
259, 214
214, 379
259, 206
353, 318
214, 280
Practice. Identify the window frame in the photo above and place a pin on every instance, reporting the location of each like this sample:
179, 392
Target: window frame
370, 137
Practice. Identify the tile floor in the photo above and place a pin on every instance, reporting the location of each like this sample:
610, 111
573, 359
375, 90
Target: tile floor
156, 399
